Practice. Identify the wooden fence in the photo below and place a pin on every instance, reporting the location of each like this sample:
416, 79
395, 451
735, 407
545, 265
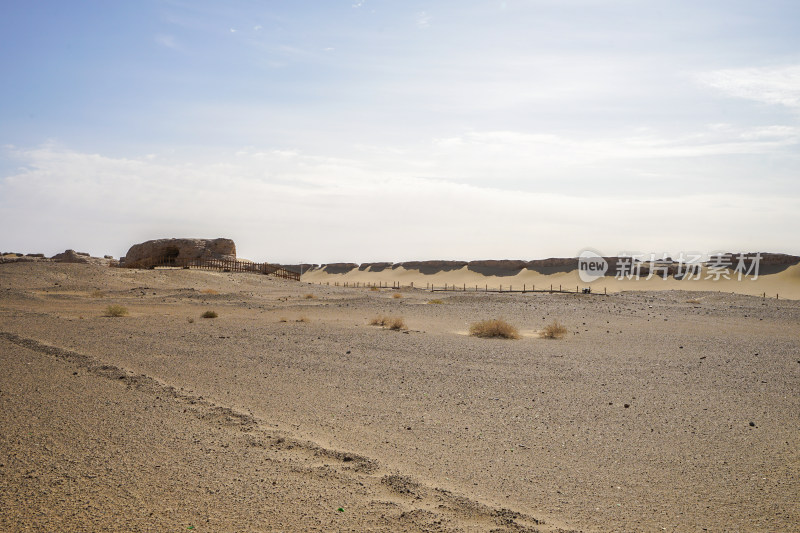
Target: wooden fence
464, 288
216, 264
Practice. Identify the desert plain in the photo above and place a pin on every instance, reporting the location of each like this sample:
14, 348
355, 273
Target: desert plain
658, 411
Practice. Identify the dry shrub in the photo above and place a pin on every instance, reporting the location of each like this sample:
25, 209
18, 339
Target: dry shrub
436, 301
116, 310
98, 294
190, 320
396, 323
397, 295
554, 330
391, 322
379, 320
303, 319
209, 291
373, 288
309, 296
494, 328
210, 314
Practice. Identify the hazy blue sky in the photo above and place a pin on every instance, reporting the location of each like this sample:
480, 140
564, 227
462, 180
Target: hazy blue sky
385, 130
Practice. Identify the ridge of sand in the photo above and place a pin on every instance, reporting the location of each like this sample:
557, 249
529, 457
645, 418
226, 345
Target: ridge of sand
785, 283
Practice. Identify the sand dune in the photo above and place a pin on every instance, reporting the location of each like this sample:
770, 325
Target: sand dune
785, 283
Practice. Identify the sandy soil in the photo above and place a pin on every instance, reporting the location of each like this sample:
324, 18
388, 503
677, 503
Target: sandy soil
660, 411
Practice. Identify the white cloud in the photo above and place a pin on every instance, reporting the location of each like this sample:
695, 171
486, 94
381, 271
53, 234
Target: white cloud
168, 41
423, 19
282, 205
770, 85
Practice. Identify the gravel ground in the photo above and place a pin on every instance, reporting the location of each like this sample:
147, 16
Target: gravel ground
660, 411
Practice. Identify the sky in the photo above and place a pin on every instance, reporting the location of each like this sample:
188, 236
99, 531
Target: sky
378, 130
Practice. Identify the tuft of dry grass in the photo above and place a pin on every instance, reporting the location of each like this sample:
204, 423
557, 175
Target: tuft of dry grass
436, 301
190, 320
373, 288
303, 319
283, 319
396, 323
210, 314
495, 328
208, 291
397, 295
309, 296
116, 310
98, 294
391, 322
554, 330
379, 320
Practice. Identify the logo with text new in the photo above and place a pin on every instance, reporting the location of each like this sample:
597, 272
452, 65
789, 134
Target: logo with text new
591, 266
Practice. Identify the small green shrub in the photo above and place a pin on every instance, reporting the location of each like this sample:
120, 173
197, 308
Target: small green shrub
210, 314
116, 310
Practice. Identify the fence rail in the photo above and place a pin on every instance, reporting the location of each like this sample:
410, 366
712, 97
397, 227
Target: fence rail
225, 265
467, 288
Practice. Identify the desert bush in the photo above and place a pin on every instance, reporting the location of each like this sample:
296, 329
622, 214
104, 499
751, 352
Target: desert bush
116, 310
210, 314
98, 294
397, 295
303, 319
494, 328
208, 291
396, 323
190, 320
283, 319
436, 301
373, 288
379, 320
391, 322
554, 330
309, 296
